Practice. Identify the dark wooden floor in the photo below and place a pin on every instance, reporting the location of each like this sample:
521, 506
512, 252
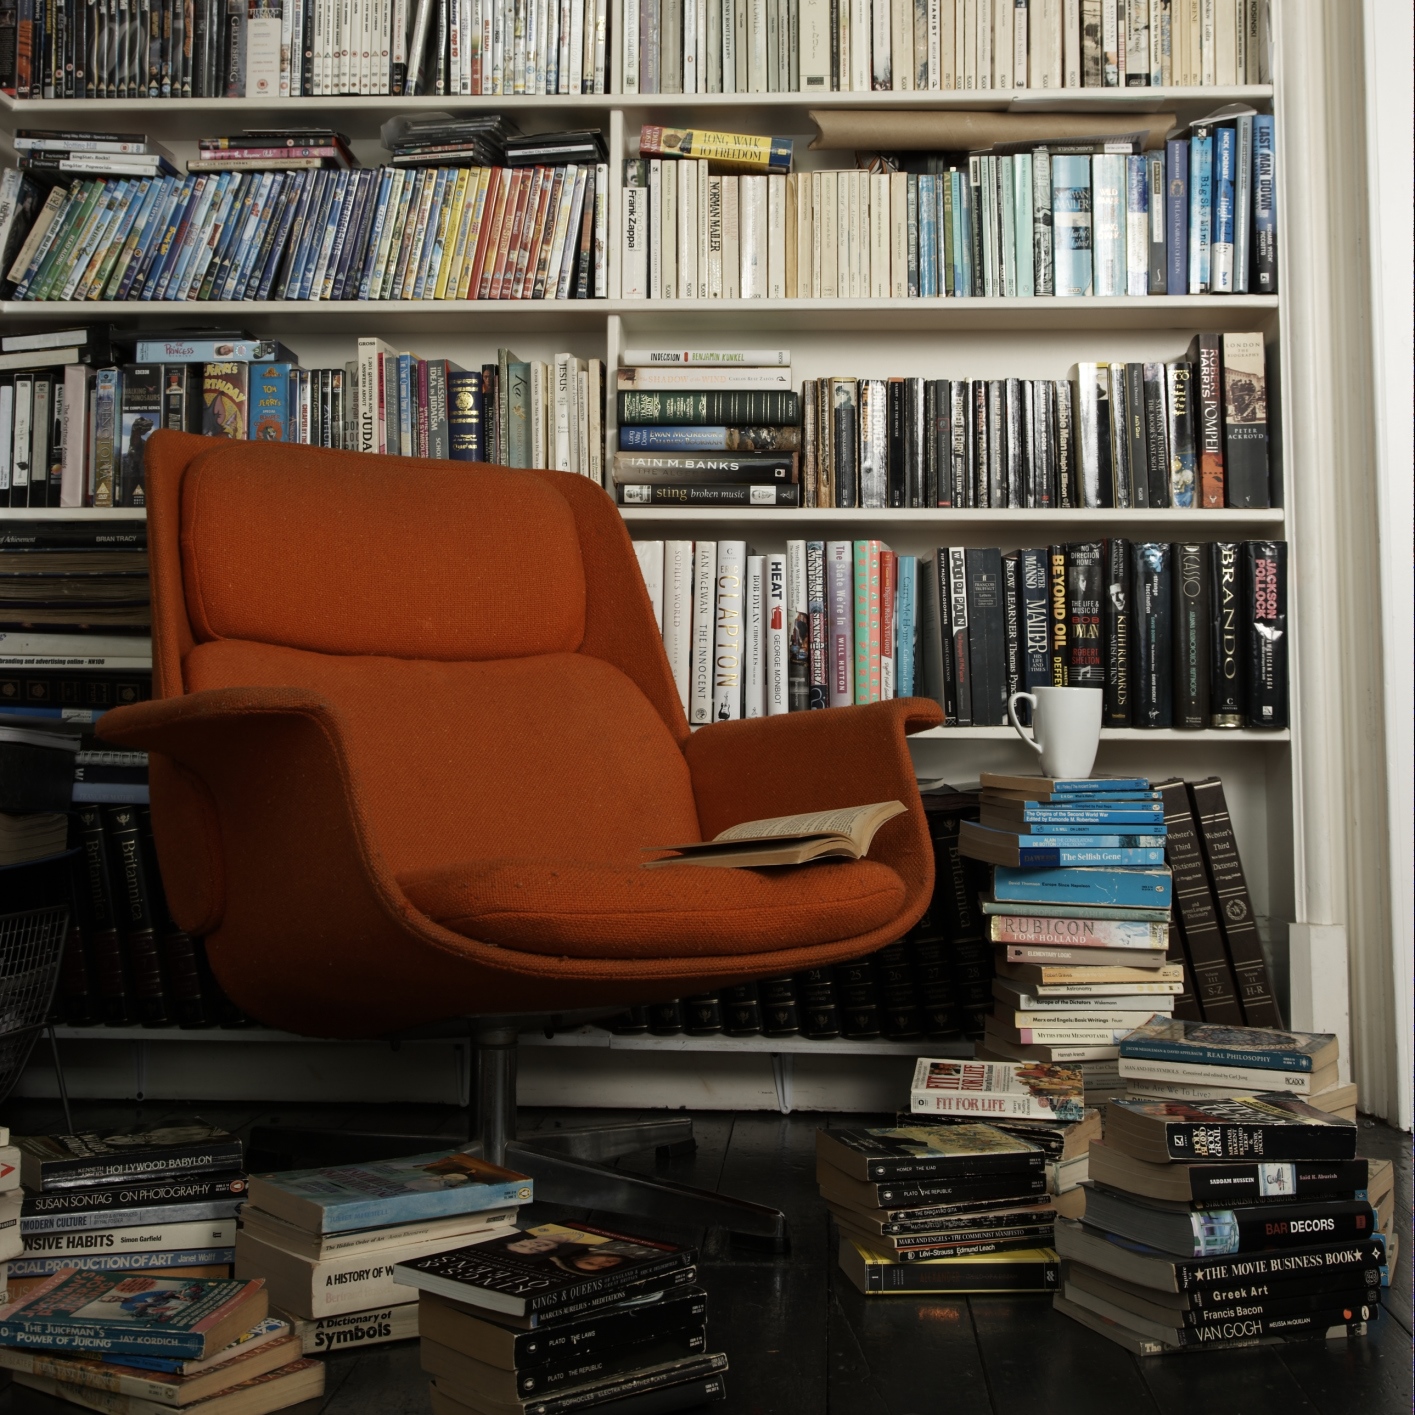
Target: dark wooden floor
802, 1341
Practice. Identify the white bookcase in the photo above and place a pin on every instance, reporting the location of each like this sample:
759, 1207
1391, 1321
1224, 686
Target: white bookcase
1308, 803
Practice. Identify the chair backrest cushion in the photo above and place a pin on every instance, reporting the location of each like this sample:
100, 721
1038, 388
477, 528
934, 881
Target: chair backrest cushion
294, 547
557, 756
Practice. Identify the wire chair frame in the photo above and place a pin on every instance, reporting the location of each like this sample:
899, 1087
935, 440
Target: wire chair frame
31, 955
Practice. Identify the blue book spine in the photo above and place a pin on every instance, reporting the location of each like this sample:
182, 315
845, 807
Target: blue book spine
118, 1262
1158, 1049
928, 238
376, 226
1120, 887
1106, 786
406, 378
1071, 223
322, 238
293, 200
906, 619
1201, 194
405, 1208
163, 246
236, 251
1040, 856
269, 415
126, 273
466, 417
268, 211
82, 716
962, 234
673, 439
1154, 834
1087, 839
351, 260
1264, 207
1137, 226
305, 218
329, 281
1221, 247
231, 225
185, 243
1094, 815
102, 1339
1176, 221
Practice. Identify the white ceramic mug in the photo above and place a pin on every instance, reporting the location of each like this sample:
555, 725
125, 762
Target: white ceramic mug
1066, 728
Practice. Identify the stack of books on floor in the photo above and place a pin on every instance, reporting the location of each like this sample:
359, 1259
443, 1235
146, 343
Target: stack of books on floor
939, 1208
715, 427
1079, 915
141, 1344
1174, 1059
1226, 1223
157, 1203
1036, 1100
326, 1240
559, 1318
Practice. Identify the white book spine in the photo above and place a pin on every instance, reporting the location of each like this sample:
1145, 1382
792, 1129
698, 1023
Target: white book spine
731, 238
754, 646
1107, 216
753, 218
1021, 40
690, 46
729, 630
650, 557
875, 218
687, 255
75, 425
262, 58
935, 57
1071, 43
898, 217
601, 230
714, 239
594, 404
704, 632
725, 376
815, 46
657, 231
776, 238
563, 374
701, 291
1003, 48
776, 621
678, 612
705, 358
861, 79
669, 273
756, 45
985, 38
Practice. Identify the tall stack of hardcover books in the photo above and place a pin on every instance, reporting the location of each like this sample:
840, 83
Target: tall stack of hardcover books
1227, 1223
939, 1208
160, 1202
142, 1343
326, 1241
561, 1318
1174, 1059
1034, 1100
1079, 917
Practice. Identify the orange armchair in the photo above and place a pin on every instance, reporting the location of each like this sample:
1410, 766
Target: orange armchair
413, 725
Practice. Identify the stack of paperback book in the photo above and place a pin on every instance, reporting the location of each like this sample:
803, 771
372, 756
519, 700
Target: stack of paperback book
1226, 1223
561, 1318
939, 1208
141, 1344
1169, 1058
1079, 916
1036, 1101
712, 427
160, 1202
326, 1240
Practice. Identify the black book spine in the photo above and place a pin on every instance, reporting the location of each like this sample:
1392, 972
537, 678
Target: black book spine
1207, 399
896, 463
978, 393
1118, 634
133, 907
1015, 466
933, 973
900, 1015
741, 1011
702, 1014
1136, 443
731, 408
109, 964
1058, 617
1153, 691
820, 1013
632, 1022
1214, 986
1084, 592
857, 999
960, 439
666, 1018
1186, 1003
916, 439
845, 393
79, 1003
1156, 434
1263, 630
958, 633
940, 570
997, 445
1066, 463
1035, 577
938, 488
188, 988
1192, 617
987, 636
54, 443
1227, 696
781, 1014
1233, 904
1012, 621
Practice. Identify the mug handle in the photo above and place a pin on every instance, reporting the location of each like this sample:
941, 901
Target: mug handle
1017, 726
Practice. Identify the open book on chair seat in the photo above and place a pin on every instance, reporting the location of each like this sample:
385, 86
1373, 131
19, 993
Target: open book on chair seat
787, 840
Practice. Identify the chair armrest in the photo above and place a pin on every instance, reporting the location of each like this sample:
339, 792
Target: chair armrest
815, 761
181, 727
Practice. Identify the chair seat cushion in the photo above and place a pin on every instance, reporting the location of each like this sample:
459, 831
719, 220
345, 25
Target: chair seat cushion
619, 910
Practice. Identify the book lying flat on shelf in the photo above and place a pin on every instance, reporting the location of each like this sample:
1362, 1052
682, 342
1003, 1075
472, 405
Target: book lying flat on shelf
77, 1161
923, 1152
788, 840
1203, 1043
1260, 1127
1023, 1270
1205, 1181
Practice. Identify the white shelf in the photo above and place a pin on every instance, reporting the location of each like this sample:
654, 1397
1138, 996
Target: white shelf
1075, 520
1188, 312
1206, 737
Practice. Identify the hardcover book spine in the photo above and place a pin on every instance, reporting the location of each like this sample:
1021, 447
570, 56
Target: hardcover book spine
987, 646
1059, 618
1209, 415
1227, 692
958, 634
1192, 619
134, 914
1179, 411
1245, 420
700, 706
818, 637
1118, 634
1153, 594
1186, 1001
840, 608
1214, 984
112, 972
1264, 632
729, 632
1264, 277
1085, 663
1234, 904
1036, 625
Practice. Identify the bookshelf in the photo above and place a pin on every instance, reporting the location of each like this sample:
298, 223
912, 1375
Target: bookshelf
1314, 844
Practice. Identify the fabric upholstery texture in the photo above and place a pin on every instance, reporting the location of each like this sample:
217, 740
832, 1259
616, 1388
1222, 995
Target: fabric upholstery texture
621, 910
414, 724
